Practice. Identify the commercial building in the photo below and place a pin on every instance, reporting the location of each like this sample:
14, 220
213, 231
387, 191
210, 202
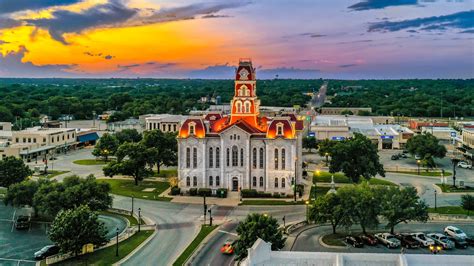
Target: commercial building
380, 129
131, 123
341, 110
416, 124
242, 150
5, 131
468, 137
441, 133
164, 122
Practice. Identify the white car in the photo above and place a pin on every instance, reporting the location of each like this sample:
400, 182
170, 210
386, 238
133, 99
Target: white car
454, 232
388, 240
465, 165
423, 239
442, 240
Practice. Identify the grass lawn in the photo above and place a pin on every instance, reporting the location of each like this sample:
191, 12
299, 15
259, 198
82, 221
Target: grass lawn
107, 256
378, 181
422, 173
205, 230
53, 173
450, 189
90, 162
271, 202
166, 173
334, 240
133, 221
126, 187
450, 210
340, 178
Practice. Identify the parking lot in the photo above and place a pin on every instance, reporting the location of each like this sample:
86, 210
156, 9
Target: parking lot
309, 240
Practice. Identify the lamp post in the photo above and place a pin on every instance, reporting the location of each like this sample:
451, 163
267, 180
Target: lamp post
210, 217
314, 192
435, 200
139, 218
327, 162
116, 243
205, 208
294, 183
132, 204
418, 163
284, 222
307, 211
455, 161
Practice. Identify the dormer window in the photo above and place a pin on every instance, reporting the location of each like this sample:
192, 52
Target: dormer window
280, 129
192, 127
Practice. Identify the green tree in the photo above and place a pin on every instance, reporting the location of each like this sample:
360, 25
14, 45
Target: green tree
427, 147
326, 147
356, 157
21, 194
12, 171
72, 229
329, 209
106, 146
258, 226
346, 112
162, 148
467, 202
402, 205
128, 135
362, 204
310, 143
132, 160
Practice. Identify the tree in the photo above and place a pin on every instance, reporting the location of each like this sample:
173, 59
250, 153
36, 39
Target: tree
106, 146
427, 147
347, 112
72, 229
329, 209
362, 204
12, 171
402, 205
310, 143
128, 135
258, 226
467, 202
162, 148
356, 157
21, 194
132, 160
325, 147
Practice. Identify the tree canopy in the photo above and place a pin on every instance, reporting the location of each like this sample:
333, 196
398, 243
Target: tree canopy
329, 209
310, 143
106, 146
427, 147
467, 202
128, 135
12, 171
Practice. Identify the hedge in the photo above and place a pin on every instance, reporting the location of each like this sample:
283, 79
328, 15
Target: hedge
175, 191
205, 192
193, 191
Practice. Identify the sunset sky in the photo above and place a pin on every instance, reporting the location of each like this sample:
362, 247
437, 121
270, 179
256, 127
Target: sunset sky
348, 39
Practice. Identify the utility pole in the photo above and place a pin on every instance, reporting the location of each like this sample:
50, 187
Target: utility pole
205, 208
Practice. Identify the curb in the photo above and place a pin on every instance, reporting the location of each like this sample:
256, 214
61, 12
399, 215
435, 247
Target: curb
201, 245
320, 240
136, 249
299, 233
440, 191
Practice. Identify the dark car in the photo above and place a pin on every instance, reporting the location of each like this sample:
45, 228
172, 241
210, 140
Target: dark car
470, 240
395, 157
369, 239
22, 222
46, 252
403, 155
459, 242
354, 241
408, 241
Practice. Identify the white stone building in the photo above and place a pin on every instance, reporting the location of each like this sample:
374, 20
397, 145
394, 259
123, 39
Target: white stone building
243, 150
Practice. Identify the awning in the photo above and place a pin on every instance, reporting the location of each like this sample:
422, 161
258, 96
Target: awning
88, 137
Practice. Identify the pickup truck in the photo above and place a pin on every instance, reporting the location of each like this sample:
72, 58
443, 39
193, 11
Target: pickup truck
423, 239
388, 240
408, 241
442, 240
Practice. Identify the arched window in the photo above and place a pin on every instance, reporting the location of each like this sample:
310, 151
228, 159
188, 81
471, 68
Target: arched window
195, 181
261, 158
210, 181
238, 107
188, 157
228, 157
195, 155
218, 157
261, 181
191, 129
218, 181
241, 157
254, 158
276, 158
283, 159
211, 157
247, 106
280, 129
283, 183
235, 156
188, 181
239, 92
254, 181
276, 182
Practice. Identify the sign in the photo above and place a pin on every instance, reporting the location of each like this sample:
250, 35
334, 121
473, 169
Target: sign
338, 138
87, 248
386, 137
311, 134
453, 134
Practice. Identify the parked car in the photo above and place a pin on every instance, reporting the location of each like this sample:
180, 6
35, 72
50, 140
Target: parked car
403, 155
459, 242
408, 241
228, 247
22, 222
394, 157
388, 240
442, 240
470, 240
354, 241
46, 252
465, 165
423, 239
369, 239
417, 157
454, 232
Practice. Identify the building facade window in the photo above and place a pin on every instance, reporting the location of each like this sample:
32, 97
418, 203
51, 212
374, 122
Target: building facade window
261, 181
283, 159
261, 155
195, 156
276, 158
228, 157
276, 182
210, 181
195, 181
218, 181
211, 157
280, 129
247, 107
254, 181
191, 129
218, 157
188, 181
235, 156
254, 158
241, 157
188, 157
283, 183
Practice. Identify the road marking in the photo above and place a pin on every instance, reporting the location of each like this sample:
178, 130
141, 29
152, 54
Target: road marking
225, 232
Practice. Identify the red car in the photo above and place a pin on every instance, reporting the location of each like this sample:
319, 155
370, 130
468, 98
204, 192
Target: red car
228, 247
369, 239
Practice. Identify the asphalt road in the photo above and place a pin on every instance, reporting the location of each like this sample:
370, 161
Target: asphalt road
309, 240
210, 253
318, 99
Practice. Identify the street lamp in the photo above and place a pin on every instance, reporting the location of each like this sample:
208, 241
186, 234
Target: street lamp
435, 200
314, 192
139, 218
210, 217
455, 161
307, 208
132, 204
116, 244
327, 154
418, 163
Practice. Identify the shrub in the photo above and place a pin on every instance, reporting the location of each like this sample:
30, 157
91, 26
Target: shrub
222, 193
276, 195
175, 190
193, 191
262, 194
248, 193
204, 192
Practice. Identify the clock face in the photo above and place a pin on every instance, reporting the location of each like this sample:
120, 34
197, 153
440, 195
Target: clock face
244, 74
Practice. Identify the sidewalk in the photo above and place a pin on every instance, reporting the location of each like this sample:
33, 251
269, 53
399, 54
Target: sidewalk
229, 201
